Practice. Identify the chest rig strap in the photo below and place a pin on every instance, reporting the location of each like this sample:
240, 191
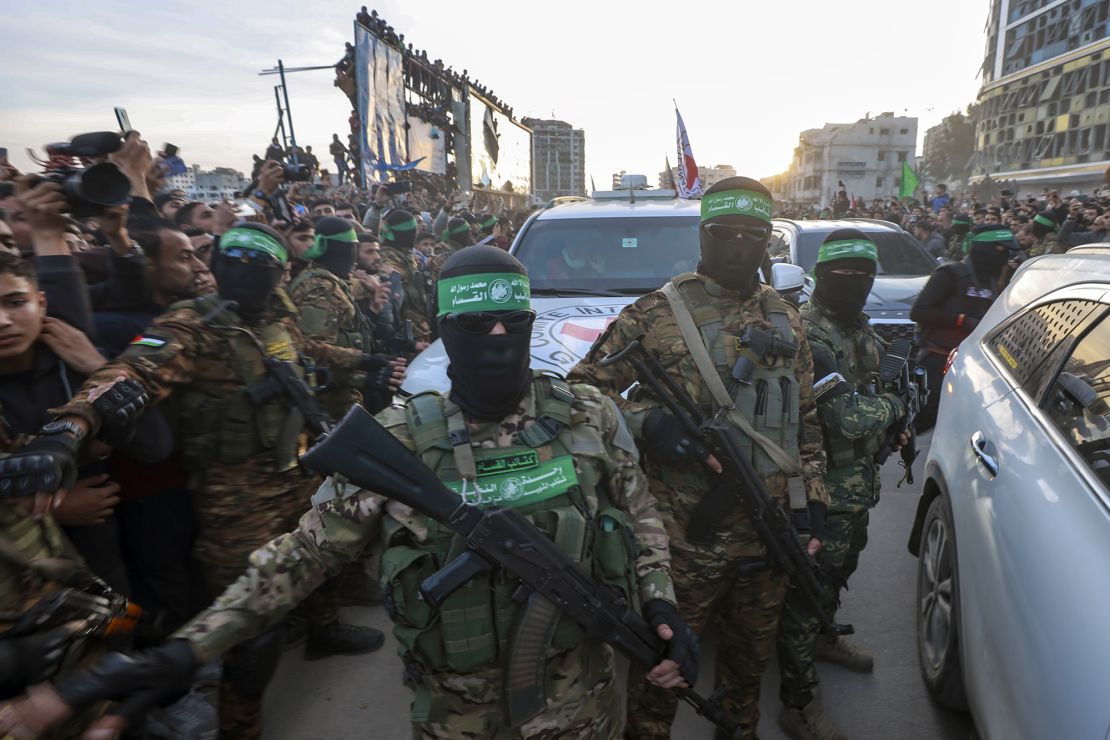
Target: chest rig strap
708, 371
459, 438
553, 399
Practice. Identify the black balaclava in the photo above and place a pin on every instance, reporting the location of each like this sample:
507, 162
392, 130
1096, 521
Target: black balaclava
249, 267
1043, 223
961, 224
336, 246
490, 373
990, 250
457, 232
845, 295
733, 263
398, 229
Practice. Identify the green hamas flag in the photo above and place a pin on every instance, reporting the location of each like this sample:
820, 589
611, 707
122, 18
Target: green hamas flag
910, 181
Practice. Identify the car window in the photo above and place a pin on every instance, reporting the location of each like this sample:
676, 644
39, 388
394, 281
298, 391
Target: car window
779, 245
1031, 348
899, 253
1078, 403
604, 254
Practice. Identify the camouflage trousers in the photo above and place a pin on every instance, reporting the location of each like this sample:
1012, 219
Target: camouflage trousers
845, 538
582, 702
235, 520
744, 602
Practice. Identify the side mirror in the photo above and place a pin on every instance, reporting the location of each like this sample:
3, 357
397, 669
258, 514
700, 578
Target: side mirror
787, 278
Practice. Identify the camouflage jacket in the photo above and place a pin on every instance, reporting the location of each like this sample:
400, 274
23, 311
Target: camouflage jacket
290, 567
957, 247
1047, 244
327, 312
413, 300
861, 417
652, 317
181, 351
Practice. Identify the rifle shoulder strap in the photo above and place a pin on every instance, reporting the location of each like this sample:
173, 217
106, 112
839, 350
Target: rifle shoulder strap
708, 371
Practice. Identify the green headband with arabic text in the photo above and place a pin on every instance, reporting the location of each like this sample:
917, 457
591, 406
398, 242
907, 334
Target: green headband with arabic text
254, 240
489, 291
843, 249
1045, 221
736, 203
994, 235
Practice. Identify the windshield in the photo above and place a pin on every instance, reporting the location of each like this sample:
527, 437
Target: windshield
899, 254
603, 255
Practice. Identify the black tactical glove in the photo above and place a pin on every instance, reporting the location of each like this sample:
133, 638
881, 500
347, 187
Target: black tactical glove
28, 660
668, 442
818, 513
379, 371
140, 681
824, 364
44, 464
119, 407
683, 646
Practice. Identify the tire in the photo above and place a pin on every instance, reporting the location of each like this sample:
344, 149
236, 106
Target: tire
938, 608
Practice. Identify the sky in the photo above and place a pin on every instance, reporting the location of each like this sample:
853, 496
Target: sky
748, 76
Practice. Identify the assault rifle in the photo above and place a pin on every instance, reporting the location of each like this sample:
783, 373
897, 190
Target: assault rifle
722, 439
912, 387
551, 584
282, 379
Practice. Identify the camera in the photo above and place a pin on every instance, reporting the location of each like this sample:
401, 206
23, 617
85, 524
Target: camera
89, 189
397, 188
296, 172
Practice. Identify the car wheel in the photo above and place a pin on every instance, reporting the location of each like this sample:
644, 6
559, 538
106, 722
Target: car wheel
938, 608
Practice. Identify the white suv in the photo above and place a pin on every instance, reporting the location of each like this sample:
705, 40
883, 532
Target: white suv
1013, 527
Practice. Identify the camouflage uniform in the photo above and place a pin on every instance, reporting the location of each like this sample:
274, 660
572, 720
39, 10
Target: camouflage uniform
328, 313
957, 246
709, 578
414, 306
453, 703
1046, 244
854, 424
205, 358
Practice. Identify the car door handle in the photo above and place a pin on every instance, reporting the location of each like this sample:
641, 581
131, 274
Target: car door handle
979, 447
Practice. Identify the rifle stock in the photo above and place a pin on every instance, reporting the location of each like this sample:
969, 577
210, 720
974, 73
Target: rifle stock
367, 455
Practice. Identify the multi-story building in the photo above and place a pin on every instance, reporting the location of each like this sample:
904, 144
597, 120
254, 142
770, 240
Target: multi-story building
558, 158
866, 155
707, 175
1043, 118
209, 185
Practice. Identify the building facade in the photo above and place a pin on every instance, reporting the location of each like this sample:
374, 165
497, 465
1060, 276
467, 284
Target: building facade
707, 175
209, 185
1043, 118
558, 158
867, 156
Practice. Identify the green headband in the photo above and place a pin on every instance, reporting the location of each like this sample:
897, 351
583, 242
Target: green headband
489, 223
994, 235
847, 249
736, 203
320, 243
1045, 221
462, 228
961, 220
255, 240
490, 291
389, 229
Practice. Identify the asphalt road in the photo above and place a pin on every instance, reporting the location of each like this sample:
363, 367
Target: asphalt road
362, 697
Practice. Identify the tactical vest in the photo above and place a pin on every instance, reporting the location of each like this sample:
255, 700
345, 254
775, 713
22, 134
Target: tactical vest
412, 283
858, 355
223, 425
362, 336
771, 401
537, 475
968, 298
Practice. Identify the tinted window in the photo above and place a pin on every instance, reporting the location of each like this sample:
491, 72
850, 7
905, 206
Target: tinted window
1031, 347
1078, 402
899, 253
632, 254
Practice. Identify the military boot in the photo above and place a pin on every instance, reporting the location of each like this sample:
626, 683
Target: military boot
809, 723
340, 638
845, 653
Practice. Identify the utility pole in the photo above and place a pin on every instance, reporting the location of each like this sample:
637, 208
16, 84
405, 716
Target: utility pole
287, 114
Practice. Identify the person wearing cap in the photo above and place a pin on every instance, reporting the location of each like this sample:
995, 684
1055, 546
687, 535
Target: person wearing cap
960, 238
953, 300
412, 331
200, 358
1044, 229
455, 237
585, 479
696, 323
854, 422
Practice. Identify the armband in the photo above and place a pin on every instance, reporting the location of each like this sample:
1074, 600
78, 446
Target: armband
829, 387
